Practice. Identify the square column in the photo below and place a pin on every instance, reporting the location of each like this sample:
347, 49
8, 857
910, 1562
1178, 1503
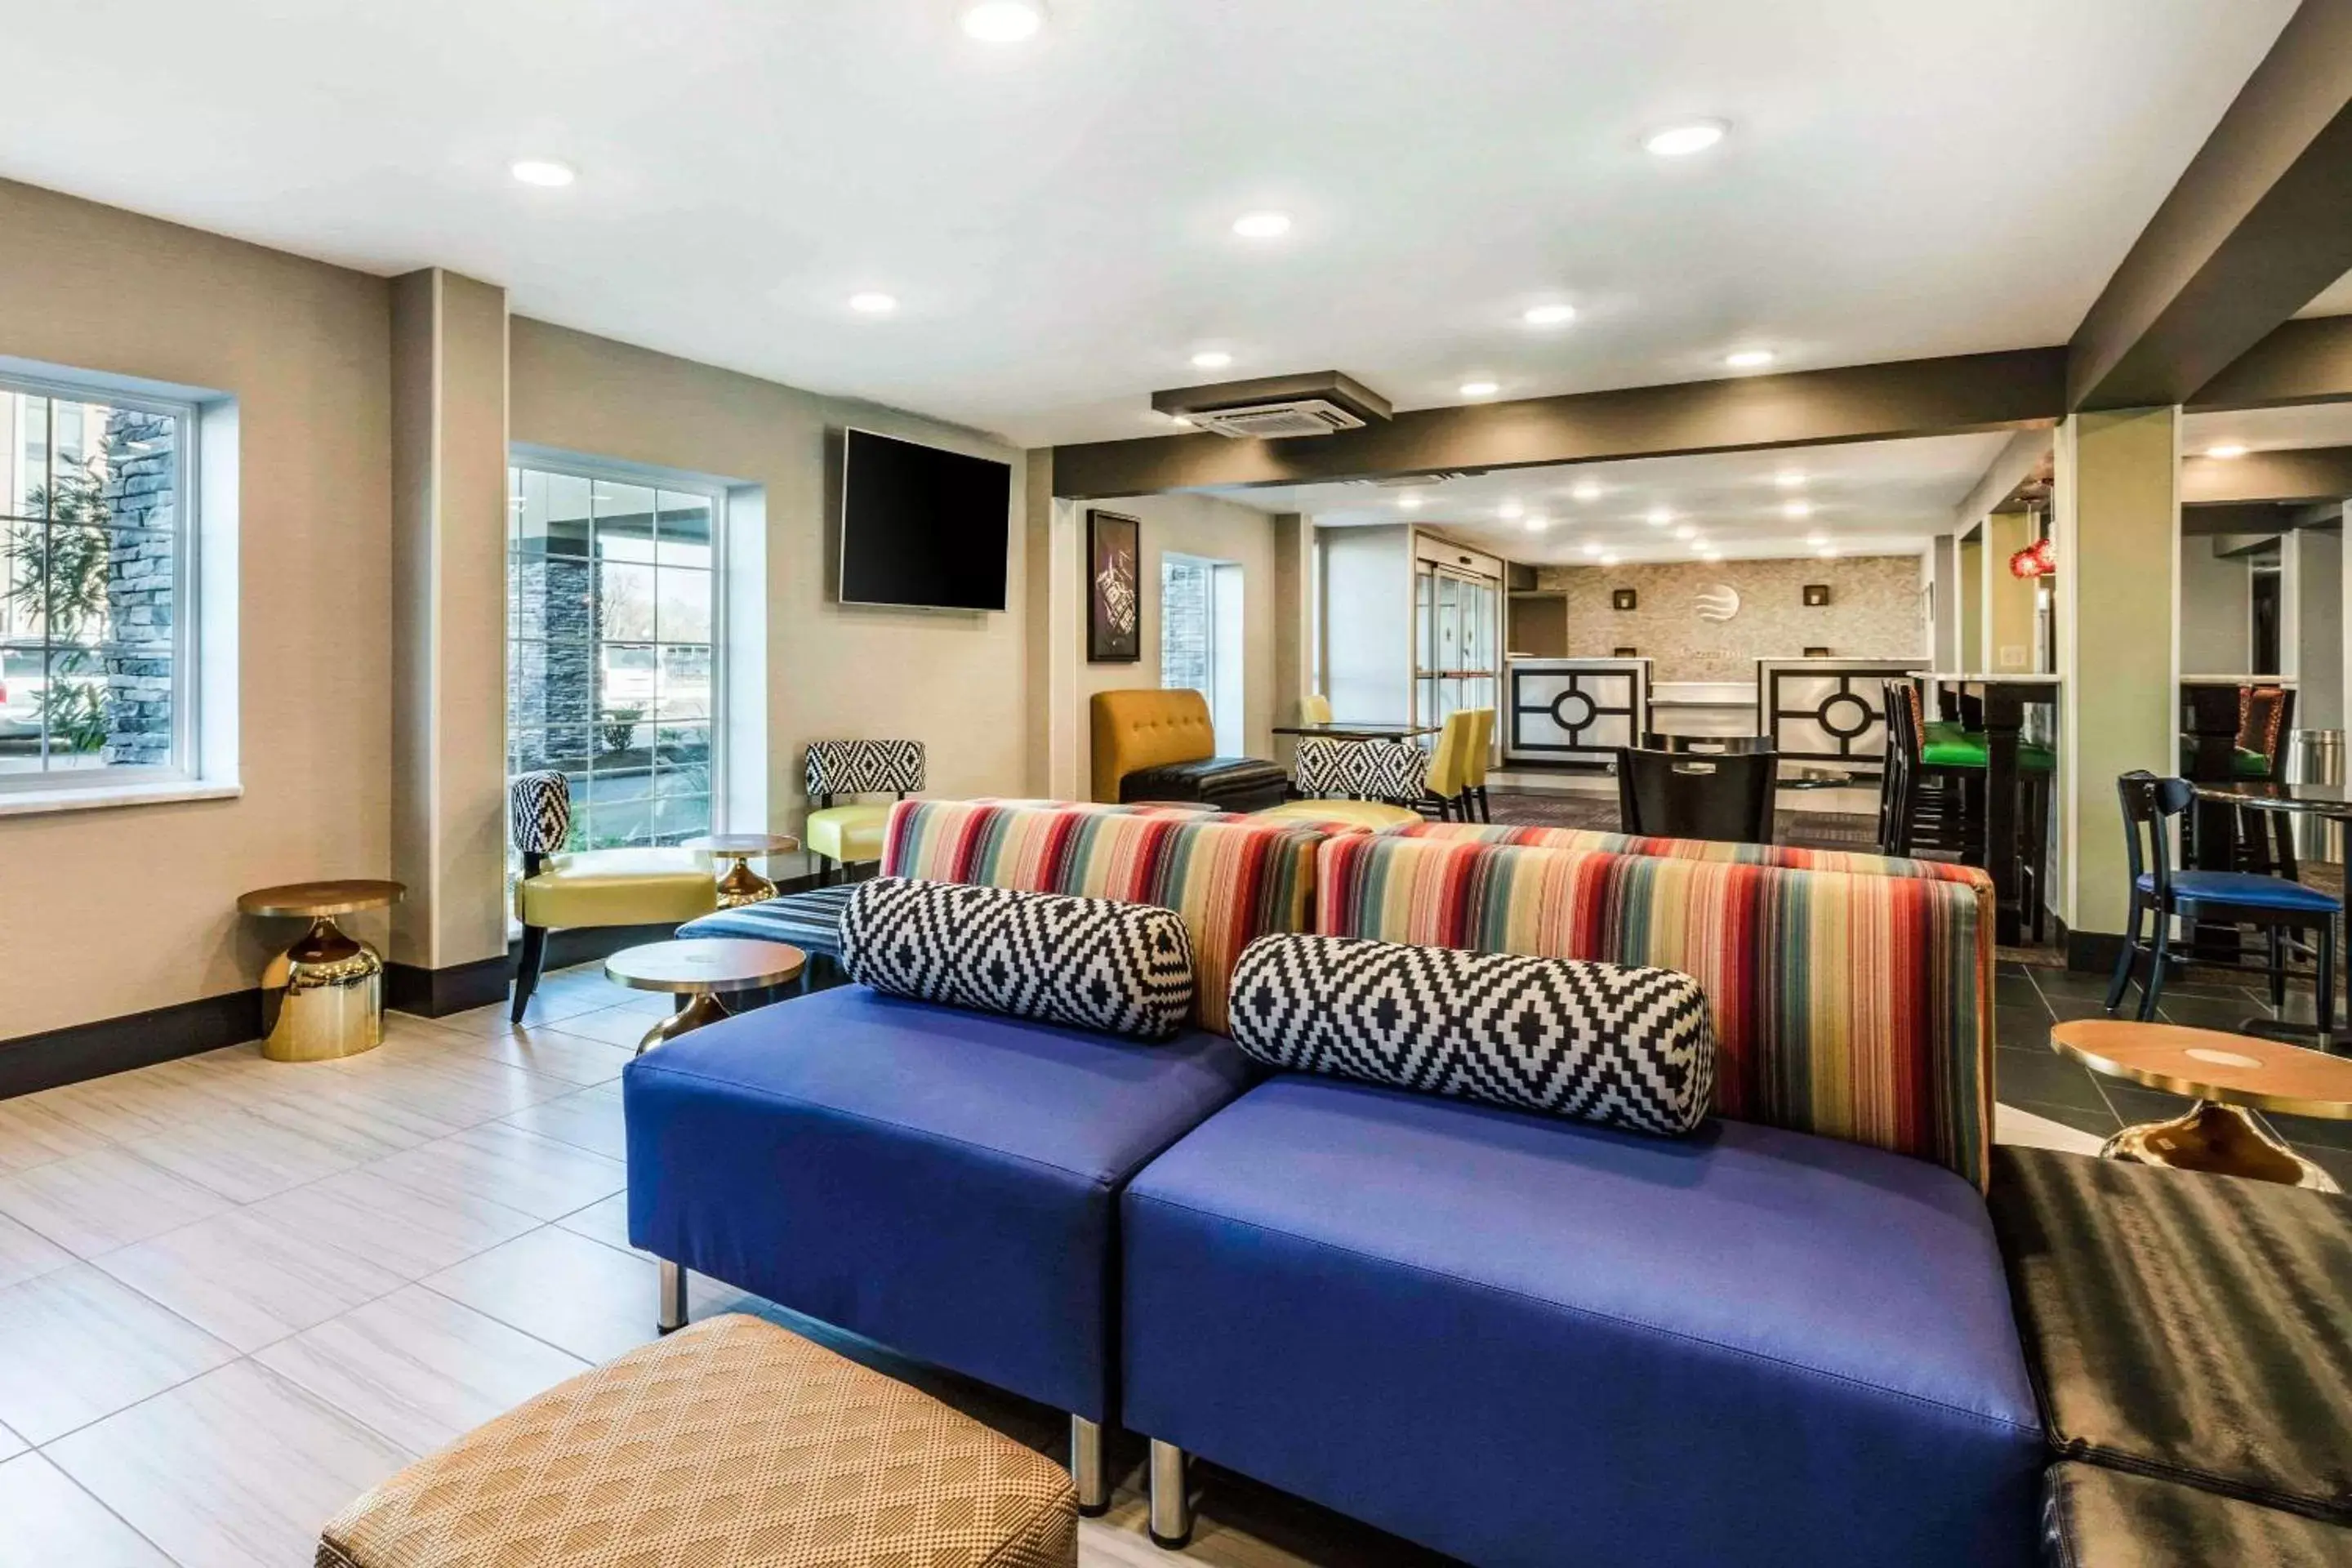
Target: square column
2117, 514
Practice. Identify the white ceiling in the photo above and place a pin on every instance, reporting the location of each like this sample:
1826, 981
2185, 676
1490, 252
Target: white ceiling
1901, 180
2269, 429
1874, 498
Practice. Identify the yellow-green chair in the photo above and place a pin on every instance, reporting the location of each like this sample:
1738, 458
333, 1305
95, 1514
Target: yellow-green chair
1381, 783
1476, 759
842, 835
1315, 708
573, 891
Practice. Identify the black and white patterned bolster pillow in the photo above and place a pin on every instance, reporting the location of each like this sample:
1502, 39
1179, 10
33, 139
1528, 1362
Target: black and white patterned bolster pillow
1598, 1042
1125, 969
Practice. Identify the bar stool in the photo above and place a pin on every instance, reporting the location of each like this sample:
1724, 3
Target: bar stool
1933, 795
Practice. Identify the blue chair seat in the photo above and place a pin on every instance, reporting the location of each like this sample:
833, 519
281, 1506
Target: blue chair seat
941, 1181
1521, 1340
2247, 887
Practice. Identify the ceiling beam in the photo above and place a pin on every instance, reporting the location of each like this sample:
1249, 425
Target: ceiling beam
2302, 361
2258, 225
2019, 461
1962, 395
2302, 474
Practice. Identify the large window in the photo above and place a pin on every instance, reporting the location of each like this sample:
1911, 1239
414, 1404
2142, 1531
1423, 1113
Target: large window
95, 584
1201, 639
610, 669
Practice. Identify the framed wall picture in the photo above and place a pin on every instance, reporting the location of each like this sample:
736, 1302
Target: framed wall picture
1817, 595
1625, 599
1114, 588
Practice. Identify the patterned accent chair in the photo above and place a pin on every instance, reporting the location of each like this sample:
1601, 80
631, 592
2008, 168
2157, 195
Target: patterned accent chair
1381, 783
843, 836
564, 889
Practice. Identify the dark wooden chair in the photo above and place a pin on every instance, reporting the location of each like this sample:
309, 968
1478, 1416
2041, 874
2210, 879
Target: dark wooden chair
1682, 794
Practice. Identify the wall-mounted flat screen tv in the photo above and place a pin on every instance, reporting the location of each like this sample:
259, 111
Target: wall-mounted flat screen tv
920, 526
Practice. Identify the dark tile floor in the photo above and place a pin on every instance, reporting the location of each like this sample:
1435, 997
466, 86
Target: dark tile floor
2029, 1076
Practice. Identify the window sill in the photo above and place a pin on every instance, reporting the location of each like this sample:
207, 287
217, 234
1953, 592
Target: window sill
29, 803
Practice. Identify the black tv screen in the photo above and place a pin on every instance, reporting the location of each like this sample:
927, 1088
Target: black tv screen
920, 526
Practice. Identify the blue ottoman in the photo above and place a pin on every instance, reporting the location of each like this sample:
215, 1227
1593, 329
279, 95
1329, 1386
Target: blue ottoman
1523, 1340
942, 1181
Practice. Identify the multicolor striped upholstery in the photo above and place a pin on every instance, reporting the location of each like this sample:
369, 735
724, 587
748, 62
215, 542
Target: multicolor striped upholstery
1850, 1005
1232, 881
1589, 841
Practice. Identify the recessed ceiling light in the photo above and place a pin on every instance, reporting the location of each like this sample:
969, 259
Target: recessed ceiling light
1003, 21
1511, 508
1682, 141
1829, 552
1659, 517
1817, 539
1538, 523
1262, 225
1710, 556
2226, 451
1749, 359
1409, 503
1798, 509
544, 171
1790, 479
1686, 532
873, 303
1608, 560
1586, 489
1549, 315
1212, 358
1591, 549
1479, 389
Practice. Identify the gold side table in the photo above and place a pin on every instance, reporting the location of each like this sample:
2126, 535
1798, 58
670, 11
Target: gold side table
2228, 1076
333, 1005
741, 885
701, 968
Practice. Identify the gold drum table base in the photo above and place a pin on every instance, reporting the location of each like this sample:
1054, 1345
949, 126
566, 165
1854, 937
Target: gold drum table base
742, 885
701, 1008
333, 1003
2220, 1138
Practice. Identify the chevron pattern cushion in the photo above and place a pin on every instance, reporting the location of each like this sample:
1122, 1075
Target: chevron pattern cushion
1363, 770
865, 767
539, 806
1094, 963
1596, 1042
730, 1442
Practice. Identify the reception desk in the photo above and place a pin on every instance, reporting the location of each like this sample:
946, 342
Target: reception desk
1573, 712
1830, 711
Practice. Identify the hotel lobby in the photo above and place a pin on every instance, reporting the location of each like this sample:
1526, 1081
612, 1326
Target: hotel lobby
1032, 782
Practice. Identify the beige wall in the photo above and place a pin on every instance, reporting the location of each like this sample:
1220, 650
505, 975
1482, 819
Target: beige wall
2008, 598
1875, 611
1187, 525
954, 681
106, 912
1972, 603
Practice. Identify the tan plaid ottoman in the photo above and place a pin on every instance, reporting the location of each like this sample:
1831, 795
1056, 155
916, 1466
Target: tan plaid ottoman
728, 1445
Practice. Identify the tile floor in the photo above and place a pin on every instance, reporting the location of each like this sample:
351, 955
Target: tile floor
235, 1293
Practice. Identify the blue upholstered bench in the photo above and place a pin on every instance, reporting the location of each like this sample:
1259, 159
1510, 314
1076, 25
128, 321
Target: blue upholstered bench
942, 1181
1522, 1340
810, 921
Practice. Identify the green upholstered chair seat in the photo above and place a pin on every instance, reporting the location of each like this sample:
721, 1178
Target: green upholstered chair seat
848, 834
617, 888
2244, 763
1949, 746
1367, 814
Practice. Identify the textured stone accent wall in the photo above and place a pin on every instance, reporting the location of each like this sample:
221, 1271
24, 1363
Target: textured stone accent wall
1184, 625
141, 492
1876, 610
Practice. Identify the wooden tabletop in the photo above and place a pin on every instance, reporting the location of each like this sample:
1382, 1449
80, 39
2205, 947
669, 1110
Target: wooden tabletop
2229, 1069
752, 843
705, 963
309, 900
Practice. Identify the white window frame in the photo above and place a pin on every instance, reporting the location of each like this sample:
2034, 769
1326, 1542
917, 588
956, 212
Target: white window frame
718, 493
29, 789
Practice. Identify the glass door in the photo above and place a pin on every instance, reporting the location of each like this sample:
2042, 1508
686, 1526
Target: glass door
1456, 642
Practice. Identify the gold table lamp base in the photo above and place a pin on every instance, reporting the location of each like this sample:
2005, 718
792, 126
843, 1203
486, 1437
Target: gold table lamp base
2220, 1138
333, 1001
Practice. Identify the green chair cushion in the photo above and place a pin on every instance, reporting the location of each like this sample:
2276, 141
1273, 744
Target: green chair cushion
2244, 763
1949, 746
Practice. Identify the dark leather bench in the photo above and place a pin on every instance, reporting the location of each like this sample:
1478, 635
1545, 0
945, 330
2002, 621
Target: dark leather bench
1228, 783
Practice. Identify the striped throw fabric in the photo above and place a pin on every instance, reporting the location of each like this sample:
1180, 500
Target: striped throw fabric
1232, 881
1850, 1005
1589, 841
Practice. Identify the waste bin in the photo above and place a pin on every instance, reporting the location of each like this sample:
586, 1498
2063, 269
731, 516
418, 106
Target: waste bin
2316, 756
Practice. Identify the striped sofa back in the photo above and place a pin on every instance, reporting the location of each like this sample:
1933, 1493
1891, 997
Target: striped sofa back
1590, 840
1232, 881
1855, 1006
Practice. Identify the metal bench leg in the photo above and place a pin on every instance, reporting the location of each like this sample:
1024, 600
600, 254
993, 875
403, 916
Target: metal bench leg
1171, 1503
1087, 1466
670, 1315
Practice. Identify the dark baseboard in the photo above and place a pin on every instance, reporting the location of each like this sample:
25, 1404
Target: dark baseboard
79, 1051
2090, 952
437, 993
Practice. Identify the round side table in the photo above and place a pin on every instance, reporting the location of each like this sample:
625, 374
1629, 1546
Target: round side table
741, 885
333, 1005
2228, 1075
701, 968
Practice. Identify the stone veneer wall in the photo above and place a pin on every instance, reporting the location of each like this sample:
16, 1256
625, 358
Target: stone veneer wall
141, 490
1875, 611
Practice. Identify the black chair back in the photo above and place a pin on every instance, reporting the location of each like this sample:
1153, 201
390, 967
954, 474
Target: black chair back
2149, 805
1672, 795
1708, 745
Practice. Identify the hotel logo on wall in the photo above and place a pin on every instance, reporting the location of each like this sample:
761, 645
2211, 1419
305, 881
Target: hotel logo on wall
1720, 603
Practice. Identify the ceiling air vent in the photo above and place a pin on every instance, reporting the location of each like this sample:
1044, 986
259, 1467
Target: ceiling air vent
1277, 408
